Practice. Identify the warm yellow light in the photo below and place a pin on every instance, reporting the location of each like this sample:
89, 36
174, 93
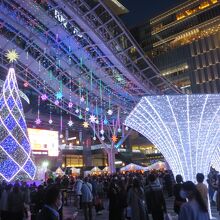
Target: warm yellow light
85, 124
12, 55
77, 142
203, 5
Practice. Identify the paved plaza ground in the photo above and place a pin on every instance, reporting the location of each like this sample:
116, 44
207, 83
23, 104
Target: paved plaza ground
69, 210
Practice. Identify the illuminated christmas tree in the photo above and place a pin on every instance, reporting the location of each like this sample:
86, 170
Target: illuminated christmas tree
15, 147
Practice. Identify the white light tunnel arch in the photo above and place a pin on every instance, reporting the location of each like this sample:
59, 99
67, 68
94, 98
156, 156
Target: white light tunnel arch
215, 163
185, 128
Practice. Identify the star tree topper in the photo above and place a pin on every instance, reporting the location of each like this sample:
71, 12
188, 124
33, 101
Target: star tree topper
12, 56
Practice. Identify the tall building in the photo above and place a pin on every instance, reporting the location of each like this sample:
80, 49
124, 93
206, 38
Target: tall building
184, 44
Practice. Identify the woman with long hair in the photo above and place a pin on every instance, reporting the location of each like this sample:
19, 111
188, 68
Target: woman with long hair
195, 208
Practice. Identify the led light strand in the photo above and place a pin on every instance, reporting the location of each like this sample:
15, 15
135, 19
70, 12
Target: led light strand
200, 122
10, 84
162, 124
185, 128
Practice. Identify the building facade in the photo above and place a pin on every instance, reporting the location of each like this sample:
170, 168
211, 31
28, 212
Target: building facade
184, 44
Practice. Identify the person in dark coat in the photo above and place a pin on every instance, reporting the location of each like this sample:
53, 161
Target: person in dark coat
154, 197
114, 203
53, 200
16, 204
136, 201
178, 200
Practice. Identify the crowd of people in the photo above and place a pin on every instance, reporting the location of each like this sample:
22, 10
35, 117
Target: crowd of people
132, 196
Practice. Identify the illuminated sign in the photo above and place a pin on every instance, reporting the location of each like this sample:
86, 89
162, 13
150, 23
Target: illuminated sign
44, 141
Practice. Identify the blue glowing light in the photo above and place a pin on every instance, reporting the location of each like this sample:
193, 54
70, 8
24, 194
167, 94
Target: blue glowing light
59, 95
185, 128
14, 142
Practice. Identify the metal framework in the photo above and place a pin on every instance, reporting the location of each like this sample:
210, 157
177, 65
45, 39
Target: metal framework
81, 45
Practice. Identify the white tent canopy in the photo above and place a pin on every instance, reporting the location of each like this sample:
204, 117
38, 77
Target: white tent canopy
132, 167
156, 166
59, 171
95, 169
106, 169
75, 170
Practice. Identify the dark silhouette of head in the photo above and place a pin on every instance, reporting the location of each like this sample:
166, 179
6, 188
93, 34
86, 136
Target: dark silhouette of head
52, 194
179, 178
152, 177
200, 177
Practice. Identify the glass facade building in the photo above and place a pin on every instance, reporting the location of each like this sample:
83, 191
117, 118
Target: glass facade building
184, 44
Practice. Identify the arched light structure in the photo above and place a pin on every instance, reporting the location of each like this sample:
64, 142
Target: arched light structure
15, 147
185, 128
215, 163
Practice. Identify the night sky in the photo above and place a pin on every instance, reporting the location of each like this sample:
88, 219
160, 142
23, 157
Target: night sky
141, 10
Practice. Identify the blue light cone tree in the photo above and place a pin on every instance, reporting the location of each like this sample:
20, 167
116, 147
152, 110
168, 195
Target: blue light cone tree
15, 147
185, 128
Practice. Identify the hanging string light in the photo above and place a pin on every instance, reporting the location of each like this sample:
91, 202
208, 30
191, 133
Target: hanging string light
102, 128
100, 90
94, 136
80, 114
91, 80
50, 120
38, 121
70, 104
110, 112
61, 123
70, 122
87, 101
96, 112
118, 121
105, 120
59, 94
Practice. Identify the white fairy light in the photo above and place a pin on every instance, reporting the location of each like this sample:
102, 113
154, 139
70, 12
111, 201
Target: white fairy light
92, 118
103, 138
13, 126
70, 123
102, 131
185, 128
110, 112
94, 138
215, 163
82, 99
